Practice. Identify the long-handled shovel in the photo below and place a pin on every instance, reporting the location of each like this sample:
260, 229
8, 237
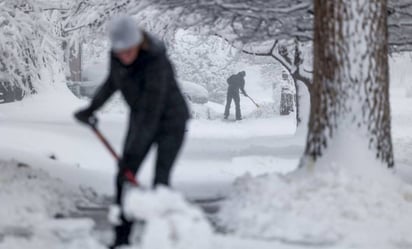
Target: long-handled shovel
93, 125
253, 101
92, 122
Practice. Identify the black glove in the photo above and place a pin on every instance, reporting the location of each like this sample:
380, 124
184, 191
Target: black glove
86, 116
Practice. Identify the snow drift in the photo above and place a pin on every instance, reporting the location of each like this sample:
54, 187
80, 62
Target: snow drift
346, 201
34, 205
194, 92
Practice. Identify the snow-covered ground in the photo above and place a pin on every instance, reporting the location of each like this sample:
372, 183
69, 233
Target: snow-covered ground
214, 149
56, 150
50, 164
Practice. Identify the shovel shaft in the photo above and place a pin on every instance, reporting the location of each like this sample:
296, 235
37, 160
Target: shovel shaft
253, 101
105, 143
127, 173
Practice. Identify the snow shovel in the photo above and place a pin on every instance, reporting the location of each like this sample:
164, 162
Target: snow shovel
93, 125
253, 101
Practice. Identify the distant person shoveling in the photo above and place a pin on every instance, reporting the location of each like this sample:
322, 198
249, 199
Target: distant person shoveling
236, 86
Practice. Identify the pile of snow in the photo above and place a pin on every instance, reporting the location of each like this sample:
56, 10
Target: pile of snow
171, 222
194, 92
32, 194
210, 111
265, 110
32, 211
347, 201
55, 103
54, 234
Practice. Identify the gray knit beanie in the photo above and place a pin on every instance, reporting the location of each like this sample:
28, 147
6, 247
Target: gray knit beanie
124, 33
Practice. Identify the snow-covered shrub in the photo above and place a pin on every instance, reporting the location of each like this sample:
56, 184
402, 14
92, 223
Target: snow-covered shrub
210, 111
194, 92
171, 222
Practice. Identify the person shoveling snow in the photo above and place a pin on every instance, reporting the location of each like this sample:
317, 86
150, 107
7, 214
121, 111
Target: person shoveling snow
236, 84
142, 72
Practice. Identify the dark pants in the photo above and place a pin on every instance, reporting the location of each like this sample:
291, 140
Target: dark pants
233, 95
169, 142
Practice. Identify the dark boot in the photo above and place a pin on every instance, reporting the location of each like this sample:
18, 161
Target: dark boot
122, 233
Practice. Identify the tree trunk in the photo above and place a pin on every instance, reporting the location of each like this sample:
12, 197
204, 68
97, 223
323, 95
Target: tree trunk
298, 102
75, 63
350, 91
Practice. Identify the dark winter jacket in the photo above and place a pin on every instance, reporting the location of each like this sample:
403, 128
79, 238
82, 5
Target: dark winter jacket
236, 82
150, 90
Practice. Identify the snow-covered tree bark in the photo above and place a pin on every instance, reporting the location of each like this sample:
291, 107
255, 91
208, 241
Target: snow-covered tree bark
350, 91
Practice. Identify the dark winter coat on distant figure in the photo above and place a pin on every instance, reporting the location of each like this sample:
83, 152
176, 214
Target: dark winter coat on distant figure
236, 84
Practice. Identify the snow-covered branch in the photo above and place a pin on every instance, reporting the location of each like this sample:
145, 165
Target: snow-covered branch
29, 47
261, 20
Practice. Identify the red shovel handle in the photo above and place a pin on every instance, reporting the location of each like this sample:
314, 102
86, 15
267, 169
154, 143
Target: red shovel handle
105, 142
128, 174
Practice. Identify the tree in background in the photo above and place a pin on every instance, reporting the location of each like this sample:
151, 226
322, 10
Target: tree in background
249, 23
29, 47
40, 40
262, 20
293, 59
209, 61
70, 22
206, 61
